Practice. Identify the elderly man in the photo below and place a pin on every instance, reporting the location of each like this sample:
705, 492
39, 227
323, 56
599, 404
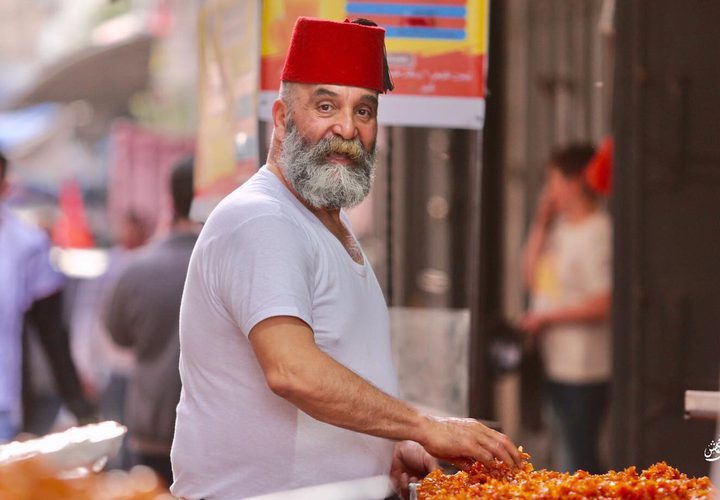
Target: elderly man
285, 360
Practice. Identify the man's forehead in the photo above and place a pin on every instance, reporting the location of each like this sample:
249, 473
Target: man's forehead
330, 90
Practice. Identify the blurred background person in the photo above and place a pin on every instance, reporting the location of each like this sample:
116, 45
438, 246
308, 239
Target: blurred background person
568, 274
133, 234
143, 314
105, 366
31, 290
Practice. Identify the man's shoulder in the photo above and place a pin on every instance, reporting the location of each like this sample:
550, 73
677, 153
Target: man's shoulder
156, 252
599, 226
257, 199
24, 235
248, 203
604, 220
134, 267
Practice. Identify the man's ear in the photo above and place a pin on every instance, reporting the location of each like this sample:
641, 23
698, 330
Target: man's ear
279, 116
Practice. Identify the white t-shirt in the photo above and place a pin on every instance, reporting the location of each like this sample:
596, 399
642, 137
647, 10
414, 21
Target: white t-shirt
574, 267
263, 254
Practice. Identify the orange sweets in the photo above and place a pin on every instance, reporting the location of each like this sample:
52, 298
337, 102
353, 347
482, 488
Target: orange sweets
503, 482
32, 479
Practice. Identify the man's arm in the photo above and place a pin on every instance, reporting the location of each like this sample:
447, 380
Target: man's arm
115, 315
46, 315
544, 216
298, 371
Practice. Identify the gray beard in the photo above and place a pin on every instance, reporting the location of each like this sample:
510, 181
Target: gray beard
321, 183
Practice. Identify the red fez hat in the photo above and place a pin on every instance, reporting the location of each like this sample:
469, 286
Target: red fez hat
598, 173
346, 53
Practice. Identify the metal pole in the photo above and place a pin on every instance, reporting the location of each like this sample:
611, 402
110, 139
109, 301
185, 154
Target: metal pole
485, 227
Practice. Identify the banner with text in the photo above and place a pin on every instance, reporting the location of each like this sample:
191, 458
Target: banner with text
436, 51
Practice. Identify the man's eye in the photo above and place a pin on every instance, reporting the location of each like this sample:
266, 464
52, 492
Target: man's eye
365, 112
325, 107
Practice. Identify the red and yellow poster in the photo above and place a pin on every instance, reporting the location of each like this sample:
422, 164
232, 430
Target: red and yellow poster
436, 52
227, 144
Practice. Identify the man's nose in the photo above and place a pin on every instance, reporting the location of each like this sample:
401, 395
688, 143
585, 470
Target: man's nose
345, 126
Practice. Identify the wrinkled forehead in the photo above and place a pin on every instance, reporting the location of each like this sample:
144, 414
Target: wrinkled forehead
310, 91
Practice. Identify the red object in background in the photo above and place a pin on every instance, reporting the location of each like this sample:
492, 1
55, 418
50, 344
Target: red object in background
599, 172
71, 230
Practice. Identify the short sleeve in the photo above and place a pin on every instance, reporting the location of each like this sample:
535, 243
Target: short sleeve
597, 264
42, 279
265, 270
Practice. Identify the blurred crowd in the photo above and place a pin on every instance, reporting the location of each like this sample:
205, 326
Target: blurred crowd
104, 348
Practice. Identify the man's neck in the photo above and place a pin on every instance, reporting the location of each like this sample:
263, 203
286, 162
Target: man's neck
580, 210
183, 225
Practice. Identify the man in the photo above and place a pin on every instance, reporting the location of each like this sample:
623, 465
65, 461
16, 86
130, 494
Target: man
568, 274
285, 358
31, 289
142, 314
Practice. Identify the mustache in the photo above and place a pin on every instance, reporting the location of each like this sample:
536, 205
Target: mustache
351, 148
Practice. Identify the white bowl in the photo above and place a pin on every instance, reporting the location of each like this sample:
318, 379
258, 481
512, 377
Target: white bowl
75, 451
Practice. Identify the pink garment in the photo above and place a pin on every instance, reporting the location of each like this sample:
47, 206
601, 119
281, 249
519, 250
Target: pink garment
139, 173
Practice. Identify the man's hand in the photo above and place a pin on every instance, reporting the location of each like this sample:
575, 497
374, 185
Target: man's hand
410, 463
459, 439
